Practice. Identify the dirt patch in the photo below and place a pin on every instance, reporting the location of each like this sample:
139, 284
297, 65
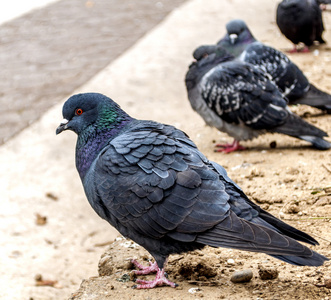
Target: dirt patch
210, 271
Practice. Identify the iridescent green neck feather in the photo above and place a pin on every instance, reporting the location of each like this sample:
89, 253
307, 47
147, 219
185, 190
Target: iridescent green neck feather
110, 122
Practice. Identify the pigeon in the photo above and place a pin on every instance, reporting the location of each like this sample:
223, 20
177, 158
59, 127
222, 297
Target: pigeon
294, 85
238, 98
150, 182
301, 22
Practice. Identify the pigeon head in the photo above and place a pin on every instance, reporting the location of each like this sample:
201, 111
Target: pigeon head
237, 38
203, 51
96, 119
83, 111
238, 32
203, 54
207, 56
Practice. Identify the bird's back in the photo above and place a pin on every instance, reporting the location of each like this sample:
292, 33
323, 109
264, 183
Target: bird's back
286, 75
154, 186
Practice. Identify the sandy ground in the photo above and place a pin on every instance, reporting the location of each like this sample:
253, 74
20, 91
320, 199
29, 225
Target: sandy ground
38, 176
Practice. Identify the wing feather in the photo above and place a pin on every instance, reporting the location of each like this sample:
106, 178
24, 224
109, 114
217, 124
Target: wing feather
240, 93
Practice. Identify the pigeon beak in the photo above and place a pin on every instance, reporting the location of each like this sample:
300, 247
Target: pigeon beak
233, 37
63, 126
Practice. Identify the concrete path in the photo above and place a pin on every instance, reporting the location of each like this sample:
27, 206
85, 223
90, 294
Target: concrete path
48, 52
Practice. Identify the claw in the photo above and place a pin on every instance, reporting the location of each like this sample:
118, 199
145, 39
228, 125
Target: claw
159, 280
305, 49
227, 148
153, 268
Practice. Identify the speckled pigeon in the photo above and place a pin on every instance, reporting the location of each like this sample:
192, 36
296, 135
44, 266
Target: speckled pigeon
240, 42
239, 99
152, 184
301, 22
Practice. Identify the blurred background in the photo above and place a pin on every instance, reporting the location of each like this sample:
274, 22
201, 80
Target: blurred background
49, 48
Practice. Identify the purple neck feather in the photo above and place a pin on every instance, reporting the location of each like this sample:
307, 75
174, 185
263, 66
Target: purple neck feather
89, 145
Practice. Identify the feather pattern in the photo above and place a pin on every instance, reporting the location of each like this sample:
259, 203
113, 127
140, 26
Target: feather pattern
195, 202
288, 77
240, 99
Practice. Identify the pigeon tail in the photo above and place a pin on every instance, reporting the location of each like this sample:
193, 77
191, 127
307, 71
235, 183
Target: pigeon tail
318, 143
241, 234
296, 127
315, 260
316, 98
285, 228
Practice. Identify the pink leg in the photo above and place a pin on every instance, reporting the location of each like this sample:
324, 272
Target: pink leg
153, 268
227, 148
294, 50
159, 280
323, 6
305, 49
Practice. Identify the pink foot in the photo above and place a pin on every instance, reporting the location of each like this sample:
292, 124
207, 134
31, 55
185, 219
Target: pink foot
227, 148
305, 49
159, 280
153, 268
294, 50
323, 6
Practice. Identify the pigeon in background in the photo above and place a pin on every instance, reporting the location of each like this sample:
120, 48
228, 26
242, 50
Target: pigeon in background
301, 22
152, 184
238, 98
294, 85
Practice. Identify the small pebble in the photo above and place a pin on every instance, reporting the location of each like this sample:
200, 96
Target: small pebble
268, 274
194, 290
273, 144
52, 196
230, 261
242, 276
328, 283
41, 220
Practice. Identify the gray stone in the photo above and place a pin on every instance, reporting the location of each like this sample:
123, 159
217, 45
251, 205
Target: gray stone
242, 276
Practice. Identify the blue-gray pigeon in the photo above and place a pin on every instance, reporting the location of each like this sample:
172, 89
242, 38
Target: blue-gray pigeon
240, 42
152, 184
238, 98
301, 22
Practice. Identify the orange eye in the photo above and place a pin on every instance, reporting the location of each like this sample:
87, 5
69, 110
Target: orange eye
78, 111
